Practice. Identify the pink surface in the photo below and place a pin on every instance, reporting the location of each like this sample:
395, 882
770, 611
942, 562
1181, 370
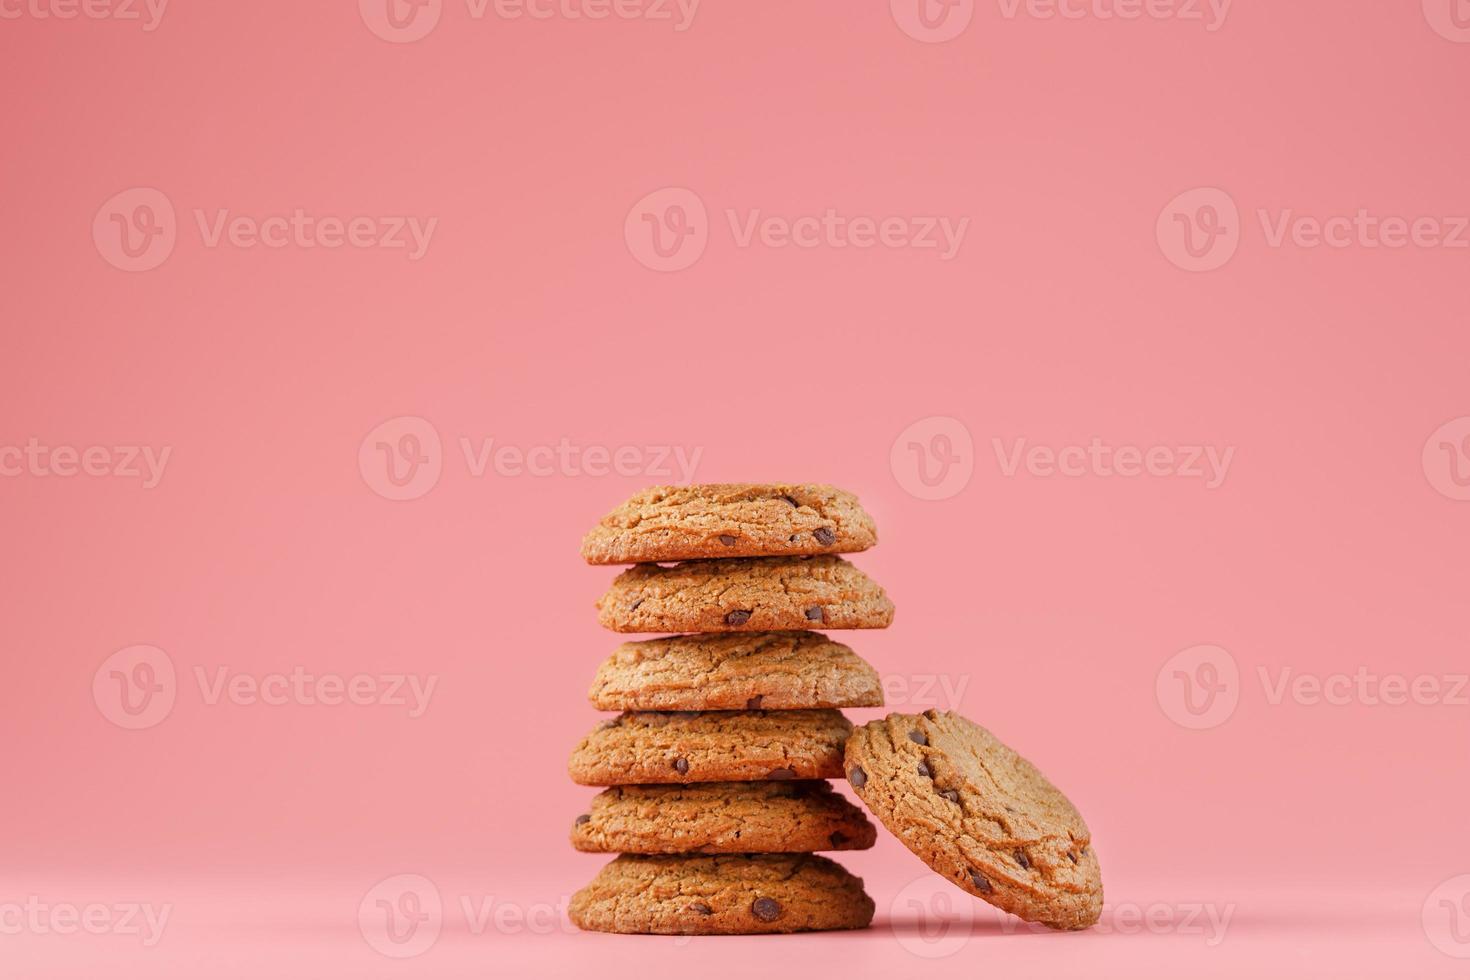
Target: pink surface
1143, 338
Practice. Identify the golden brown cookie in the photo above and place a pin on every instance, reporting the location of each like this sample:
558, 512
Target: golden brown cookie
731, 671
711, 746
723, 818
726, 894
978, 814
730, 520
746, 594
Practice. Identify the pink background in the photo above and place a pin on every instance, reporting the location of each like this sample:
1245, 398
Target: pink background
1056, 601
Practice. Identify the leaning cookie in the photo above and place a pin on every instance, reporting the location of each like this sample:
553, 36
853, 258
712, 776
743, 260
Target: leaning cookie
979, 814
744, 595
730, 520
723, 818
731, 671
728, 894
714, 746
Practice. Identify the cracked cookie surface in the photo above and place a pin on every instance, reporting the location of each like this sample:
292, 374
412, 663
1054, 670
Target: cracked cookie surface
712, 746
979, 814
750, 594
728, 894
733, 671
730, 520
723, 818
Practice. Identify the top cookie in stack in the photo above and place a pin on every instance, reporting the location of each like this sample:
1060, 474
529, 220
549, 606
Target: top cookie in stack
728, 731
730, 520
752, 557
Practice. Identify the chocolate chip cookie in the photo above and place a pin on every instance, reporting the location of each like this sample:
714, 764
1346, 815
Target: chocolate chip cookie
731, 671
727, 894
747, 594
730, 520
711, 746
723, 818
979, 814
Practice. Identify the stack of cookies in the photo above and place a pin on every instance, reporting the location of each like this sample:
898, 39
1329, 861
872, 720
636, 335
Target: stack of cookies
716, 767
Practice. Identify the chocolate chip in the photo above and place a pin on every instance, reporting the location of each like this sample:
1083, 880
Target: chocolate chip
766, 909
815, 613
781, 774
681, 765
754, 704
583, 818
701, 908
635, 605
791, 501
919, 737
953, 795
1023, 860
981, 882
1071, 857
838, 838
857, 777
738, 618
793, 537
824, 536
924, 770
727, 539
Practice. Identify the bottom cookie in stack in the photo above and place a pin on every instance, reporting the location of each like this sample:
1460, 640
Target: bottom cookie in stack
721, 894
